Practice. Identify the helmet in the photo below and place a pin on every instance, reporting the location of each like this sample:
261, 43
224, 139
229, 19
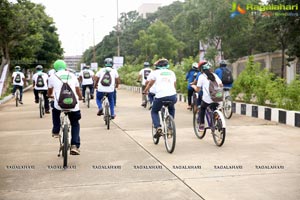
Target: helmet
59, 65
202, 62
146, 64
39, 67
18, 68
195, 65
162, 64
108, 62
223, 63
206, 66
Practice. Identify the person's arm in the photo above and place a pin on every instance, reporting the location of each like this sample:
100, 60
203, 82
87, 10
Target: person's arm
80, 79
118, 81
78, 92
149, 85
96, 82
50, 92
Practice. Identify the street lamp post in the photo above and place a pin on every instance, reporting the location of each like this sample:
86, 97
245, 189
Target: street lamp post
118, 33
94, 52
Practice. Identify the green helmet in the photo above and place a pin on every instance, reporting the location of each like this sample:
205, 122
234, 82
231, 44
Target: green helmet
206, 66
59, 65
17, 68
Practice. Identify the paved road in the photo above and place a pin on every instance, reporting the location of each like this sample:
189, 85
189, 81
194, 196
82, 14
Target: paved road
259, 160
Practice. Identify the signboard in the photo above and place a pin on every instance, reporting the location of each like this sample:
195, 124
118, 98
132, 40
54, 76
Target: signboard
118, 62
94, 66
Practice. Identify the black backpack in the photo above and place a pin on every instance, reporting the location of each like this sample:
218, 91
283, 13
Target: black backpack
18, 78
86, 75
227, 77
106, 79
40, 81
67, 98
146, 73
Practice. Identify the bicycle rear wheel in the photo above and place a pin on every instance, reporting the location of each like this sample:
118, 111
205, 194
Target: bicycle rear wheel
170, 135
155, 140
196, 123
41, 107
107, 116
65, 146
17, 94
218, 131
227, 108
87, 95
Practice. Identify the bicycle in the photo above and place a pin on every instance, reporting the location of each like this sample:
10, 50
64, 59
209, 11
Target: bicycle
87, 96
168, 128
41, 104
64, 138
194, 102
227, 104
105, 106
214, 121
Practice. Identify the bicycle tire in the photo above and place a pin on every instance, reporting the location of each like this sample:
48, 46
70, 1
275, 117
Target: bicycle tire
40, 108
170, 138
218, 131
87, 95
106, 116
155, 140
227, 108
65, 145
17, 97
196, 124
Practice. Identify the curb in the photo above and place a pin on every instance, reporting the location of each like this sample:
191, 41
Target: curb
9, 97
291, 118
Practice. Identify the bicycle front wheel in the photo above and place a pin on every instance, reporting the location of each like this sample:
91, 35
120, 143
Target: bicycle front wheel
17, 94
87, 95
170, 135
196, 124
65, 145
219, 130
41, 107
107, 116
227, 108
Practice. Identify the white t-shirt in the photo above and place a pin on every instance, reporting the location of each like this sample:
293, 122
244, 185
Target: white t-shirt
152, 89
45, 78
55, 83
87, 81
21, 83
144, 72
164, 80
113, 73
51, 71
204, 83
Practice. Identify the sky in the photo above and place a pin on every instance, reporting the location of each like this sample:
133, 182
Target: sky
74, 19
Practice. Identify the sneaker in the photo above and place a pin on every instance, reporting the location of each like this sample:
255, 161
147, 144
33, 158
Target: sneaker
143, 104
47, 111
55, 135
100, 112
201, 127
113, 117
20, 102
189, 108
83, 100
74, 150
158, 132
36, 101
92, 96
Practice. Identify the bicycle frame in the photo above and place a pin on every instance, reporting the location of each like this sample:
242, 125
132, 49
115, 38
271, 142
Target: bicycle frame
209, 116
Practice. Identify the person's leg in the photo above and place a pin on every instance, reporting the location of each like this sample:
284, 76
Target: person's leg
75, 127
202, 112
111, 101
46, 101
115, 97
171, 107
83, 91
21, 92
143, 96
36, 95
55, 121
190, 94
92, 90
99, 102
14, 90
157, 105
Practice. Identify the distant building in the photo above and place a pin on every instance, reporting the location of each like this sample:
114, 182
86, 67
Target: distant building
73, 62
146, 8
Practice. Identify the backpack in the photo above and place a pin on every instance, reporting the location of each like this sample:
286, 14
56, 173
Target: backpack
40, 81
146, 73
67, 98
215, 91
86, 75
18, 78
227, 77
106, 79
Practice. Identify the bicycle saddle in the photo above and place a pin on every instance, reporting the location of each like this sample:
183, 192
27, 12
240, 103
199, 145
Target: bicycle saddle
167, 103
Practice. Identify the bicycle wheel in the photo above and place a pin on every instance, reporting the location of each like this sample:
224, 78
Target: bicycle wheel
87, 95
17, 94
218, 131
227, 108
41, 107
155, 140
65, 145
170, 135
107, 116
196, 123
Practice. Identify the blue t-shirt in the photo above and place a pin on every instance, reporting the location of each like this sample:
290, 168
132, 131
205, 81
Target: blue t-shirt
219, 72
190, 77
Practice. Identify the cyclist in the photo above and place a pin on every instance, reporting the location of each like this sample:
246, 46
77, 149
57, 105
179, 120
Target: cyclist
18, 81
190, 77
143, 74
203, 84
106, 80
54, 88
86, 78
40, 83
219, 72
165, 90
